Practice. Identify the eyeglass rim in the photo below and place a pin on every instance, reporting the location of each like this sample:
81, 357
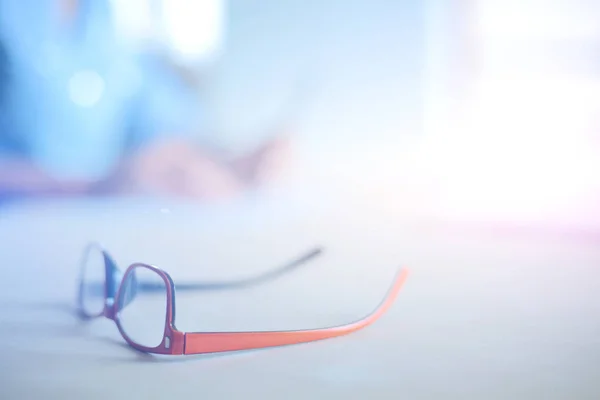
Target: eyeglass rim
172, 341
82, 269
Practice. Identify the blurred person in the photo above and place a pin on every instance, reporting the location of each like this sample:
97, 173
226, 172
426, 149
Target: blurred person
83, 112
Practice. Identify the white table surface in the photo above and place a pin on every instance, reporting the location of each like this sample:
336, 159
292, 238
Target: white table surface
480, 317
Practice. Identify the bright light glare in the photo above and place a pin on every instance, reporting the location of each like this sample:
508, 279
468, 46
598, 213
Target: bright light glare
522, 152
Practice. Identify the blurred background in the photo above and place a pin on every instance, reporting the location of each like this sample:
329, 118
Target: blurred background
460, 109
203, 99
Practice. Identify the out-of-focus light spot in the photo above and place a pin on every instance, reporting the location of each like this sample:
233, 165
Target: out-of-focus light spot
133, 19
193, 28
86, 88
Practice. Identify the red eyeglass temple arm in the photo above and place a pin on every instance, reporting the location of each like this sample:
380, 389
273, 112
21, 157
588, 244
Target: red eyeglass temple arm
213, 342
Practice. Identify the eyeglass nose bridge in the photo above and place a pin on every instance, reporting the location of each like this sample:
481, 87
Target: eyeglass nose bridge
128, 290
109, 309
114, 276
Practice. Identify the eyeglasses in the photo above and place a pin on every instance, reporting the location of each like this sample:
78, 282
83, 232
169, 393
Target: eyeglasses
142, 303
